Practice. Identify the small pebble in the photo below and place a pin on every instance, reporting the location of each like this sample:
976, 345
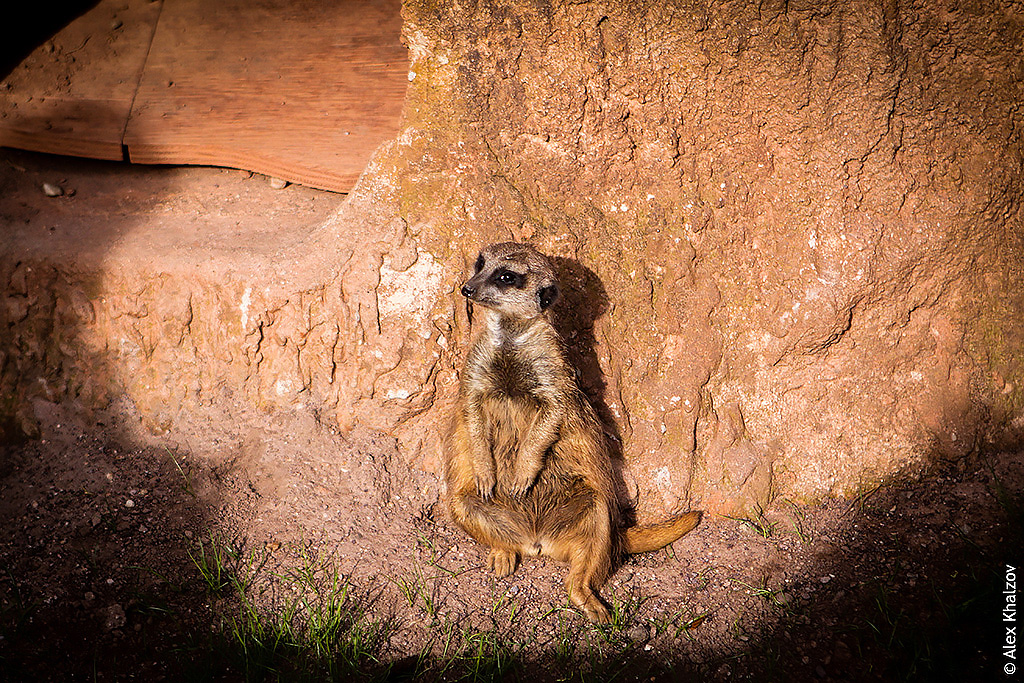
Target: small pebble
129, 503
278, 184
115, 24
638, 633
51, 190
115, 617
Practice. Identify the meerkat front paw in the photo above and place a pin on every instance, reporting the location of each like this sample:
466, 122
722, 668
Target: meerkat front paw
520, 484
484, 484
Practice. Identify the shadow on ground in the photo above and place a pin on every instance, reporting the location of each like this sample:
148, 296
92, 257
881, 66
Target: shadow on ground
37, 23
98, 521
911, 587
96, 574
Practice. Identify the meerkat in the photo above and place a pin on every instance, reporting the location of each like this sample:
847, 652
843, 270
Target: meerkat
526, 462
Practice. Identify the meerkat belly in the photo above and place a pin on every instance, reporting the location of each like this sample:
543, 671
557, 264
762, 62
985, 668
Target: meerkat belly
509, 419
555, 505
510, 406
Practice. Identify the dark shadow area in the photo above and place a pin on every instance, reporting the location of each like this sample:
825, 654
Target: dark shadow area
33, 23
912, 587
582, 302
96, 577
119, 555
98, 522
917, 582
97, 526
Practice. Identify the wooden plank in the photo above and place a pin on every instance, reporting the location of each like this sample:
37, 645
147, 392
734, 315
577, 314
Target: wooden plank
72, 95
304, 90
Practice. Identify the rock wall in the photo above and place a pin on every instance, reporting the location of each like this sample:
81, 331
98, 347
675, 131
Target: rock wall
790, 238
806, 219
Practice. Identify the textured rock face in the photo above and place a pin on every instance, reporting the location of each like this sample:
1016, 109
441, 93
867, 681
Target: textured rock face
805, 219
790, 238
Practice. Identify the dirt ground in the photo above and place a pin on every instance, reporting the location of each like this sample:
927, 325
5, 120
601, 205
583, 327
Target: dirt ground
101, 525
107, 530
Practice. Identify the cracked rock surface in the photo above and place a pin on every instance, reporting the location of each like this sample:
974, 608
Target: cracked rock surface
789, 237
800, 224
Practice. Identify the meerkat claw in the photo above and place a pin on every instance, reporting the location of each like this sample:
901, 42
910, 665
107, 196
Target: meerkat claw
485, 487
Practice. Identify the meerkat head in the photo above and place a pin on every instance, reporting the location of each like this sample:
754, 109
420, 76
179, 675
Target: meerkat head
514, 280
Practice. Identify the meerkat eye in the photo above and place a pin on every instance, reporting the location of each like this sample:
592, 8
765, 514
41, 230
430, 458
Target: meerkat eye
479, 263
507, 278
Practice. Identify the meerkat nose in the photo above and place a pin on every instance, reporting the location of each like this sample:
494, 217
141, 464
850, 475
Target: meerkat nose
468, 291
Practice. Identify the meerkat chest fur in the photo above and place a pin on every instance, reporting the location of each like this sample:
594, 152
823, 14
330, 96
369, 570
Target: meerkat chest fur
516, 372
514, 362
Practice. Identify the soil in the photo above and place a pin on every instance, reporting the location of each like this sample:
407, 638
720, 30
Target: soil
99, 523
102, 521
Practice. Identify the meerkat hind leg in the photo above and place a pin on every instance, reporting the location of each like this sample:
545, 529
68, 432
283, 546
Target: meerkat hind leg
589, 564
580, 583
500, 528
580, 533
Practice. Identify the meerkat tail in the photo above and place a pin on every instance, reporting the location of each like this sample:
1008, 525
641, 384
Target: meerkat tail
644, 539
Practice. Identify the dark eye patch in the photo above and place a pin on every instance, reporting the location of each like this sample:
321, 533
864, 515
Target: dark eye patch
504, 278
479, 263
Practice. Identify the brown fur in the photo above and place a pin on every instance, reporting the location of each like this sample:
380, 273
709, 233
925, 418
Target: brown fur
525, 462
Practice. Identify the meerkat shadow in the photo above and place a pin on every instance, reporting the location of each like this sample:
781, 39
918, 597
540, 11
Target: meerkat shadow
581, 303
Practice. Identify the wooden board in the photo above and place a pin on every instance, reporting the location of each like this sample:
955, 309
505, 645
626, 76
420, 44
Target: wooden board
72, 95
304, 90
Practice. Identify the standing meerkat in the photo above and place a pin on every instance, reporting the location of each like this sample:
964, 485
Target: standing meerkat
526, 462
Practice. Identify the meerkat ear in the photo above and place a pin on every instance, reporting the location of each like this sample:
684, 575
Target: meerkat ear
547, 296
